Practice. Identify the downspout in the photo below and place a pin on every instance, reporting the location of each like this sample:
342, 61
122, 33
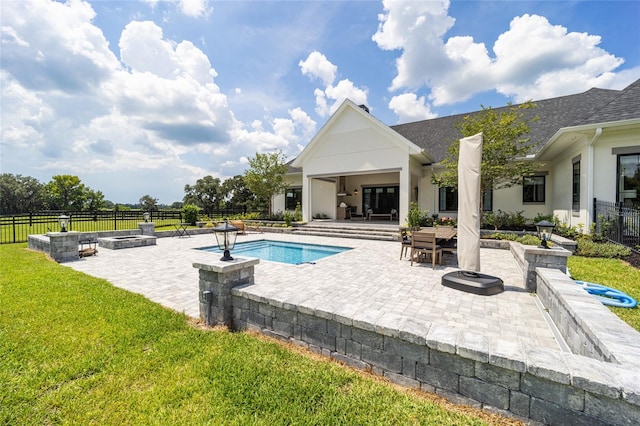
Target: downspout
434, 189
590, 178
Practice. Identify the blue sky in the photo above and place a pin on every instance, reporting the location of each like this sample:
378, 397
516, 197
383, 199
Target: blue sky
142, 97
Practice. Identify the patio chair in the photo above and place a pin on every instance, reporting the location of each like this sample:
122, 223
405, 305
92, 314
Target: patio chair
405, 240
423, 244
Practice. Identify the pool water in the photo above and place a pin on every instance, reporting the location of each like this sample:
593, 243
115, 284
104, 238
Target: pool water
280, 251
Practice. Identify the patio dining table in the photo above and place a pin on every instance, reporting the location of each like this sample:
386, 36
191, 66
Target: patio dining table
442, 233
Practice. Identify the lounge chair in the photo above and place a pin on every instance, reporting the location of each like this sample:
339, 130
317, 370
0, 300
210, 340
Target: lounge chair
238, 224
424, 243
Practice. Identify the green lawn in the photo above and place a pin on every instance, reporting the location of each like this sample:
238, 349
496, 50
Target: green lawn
613, 273
76, 350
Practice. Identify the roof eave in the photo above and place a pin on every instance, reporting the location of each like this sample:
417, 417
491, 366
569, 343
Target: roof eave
585, 128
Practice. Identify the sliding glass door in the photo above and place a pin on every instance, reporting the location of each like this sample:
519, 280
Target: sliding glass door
380, 199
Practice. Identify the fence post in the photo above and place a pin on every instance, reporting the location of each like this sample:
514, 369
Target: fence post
620, 222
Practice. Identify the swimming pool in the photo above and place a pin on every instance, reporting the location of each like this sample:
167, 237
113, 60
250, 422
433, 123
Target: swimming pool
280, 251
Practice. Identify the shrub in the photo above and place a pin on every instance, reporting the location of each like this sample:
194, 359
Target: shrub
504, 220
190, 213
589, 248
540, 217
321, 216
509, 236
564, 230
288, 218
529, 240
251, 216
495, 220
297, 213
414, 217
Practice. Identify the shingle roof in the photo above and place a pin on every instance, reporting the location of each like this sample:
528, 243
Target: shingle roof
624, 107
593, 106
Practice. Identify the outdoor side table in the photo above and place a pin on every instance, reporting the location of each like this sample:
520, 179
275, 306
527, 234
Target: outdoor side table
181, 230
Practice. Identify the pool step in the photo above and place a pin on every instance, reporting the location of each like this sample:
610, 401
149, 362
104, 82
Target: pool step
389, 233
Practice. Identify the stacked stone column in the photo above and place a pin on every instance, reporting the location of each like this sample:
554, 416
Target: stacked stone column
217, 279
63, 246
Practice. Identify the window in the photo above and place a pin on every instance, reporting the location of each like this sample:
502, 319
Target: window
448, 200
533, 188
487, 201
629, 179
575, 197
381, 199
293, 197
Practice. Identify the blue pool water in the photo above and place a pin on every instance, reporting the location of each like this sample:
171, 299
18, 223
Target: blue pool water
279, 251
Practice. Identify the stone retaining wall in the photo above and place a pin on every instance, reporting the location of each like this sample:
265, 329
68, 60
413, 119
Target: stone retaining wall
522, 381
588, 327
507, 377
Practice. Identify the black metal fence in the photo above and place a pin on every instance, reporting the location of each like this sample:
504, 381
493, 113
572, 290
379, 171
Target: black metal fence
618, 222
16, 228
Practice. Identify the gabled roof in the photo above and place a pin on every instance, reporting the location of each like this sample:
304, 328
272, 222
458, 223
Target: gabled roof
413, 148
596, 105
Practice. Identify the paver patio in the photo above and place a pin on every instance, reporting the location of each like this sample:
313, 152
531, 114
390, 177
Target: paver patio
366, 284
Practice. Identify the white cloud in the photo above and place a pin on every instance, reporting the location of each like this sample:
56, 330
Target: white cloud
417, 29
318, 66
195, 8
408, 107
532, 59
345, 90
535, 59
150, 121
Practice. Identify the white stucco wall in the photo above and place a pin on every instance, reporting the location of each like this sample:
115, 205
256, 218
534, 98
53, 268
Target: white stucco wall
324, 198
506, 199
602, 168
293, 181
352, 147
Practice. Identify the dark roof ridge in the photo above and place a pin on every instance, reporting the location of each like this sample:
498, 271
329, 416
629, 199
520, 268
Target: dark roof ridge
592, 91
623, 106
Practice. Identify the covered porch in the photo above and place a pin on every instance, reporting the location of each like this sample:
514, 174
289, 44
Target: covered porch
376, 197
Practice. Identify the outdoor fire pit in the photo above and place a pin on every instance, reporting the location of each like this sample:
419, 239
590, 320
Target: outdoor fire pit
127, 241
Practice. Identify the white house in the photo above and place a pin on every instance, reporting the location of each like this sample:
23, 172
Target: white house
587, 145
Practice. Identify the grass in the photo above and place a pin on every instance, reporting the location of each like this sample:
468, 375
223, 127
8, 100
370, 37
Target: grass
76, 350
613, 273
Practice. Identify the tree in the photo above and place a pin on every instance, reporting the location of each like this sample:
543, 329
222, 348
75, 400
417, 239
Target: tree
148, 203
265, 177
20, 194
67, 192
504, 149
237, 195
94, 200
206, 193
